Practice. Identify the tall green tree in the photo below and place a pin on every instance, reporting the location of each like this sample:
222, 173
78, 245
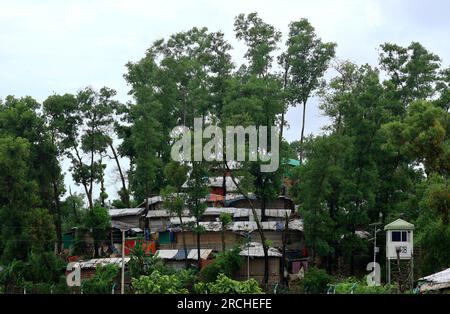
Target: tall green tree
304, 62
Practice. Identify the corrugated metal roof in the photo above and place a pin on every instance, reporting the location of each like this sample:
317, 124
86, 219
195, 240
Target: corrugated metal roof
249, 226
118, 212
218, 182
121, 225
176, 220
93, 263
163, 213
211, 225
255, 249
296, 224
154, 199
440, 280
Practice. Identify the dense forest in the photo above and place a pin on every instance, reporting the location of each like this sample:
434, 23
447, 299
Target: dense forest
384, 155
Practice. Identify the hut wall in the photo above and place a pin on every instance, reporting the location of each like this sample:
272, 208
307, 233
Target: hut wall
257, 269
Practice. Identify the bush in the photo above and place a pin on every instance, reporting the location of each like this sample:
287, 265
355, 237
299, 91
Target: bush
42, 273
102, 281
12, 275
142, 264
316, 281
361, 287
227, 263
44, 268
225, 285
158, 283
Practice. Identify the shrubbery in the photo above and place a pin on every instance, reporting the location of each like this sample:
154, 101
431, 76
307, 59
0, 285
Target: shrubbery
225, 285
361, 287
41, 273
227, 263
102, 281
156, 283
315, 281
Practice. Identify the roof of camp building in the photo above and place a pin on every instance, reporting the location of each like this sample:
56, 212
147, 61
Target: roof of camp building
118, 212
218, 182
255, 249
125, 226
152, 200
440, 280
249, 226
93, 263
216, 211
186, 219
399, 224
158, 213
179, 254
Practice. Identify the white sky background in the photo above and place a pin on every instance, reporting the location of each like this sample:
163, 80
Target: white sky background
61, 46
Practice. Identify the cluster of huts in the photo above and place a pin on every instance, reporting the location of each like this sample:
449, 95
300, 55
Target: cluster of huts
159, 231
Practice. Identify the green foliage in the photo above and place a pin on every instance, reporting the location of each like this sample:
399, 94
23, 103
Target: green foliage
102, 281
315, 281
225, 218
98, 221
43, 272
39, 230
72, 211
142, 264
13, 274
225, 285
351, 285
433, 229
228, 263
157, 283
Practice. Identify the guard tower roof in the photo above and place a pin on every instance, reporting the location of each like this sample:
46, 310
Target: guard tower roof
399, 224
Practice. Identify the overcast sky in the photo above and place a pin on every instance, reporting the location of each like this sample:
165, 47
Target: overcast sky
60, 46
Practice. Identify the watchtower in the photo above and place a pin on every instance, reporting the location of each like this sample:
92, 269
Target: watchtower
399, 248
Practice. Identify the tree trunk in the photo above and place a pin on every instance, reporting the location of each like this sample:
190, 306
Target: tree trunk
96, 255
186, 264
224, 183
126, 196
102, 190
286, 70
259, 228
303, 131
223, 237
263, 209
74, 208
86, 189
283, 280
266, 265
199, 262
57, 216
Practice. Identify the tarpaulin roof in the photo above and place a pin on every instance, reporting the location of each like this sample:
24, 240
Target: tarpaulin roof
179, 254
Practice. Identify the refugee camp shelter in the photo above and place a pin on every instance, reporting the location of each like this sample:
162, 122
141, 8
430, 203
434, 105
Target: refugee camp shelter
438, 282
